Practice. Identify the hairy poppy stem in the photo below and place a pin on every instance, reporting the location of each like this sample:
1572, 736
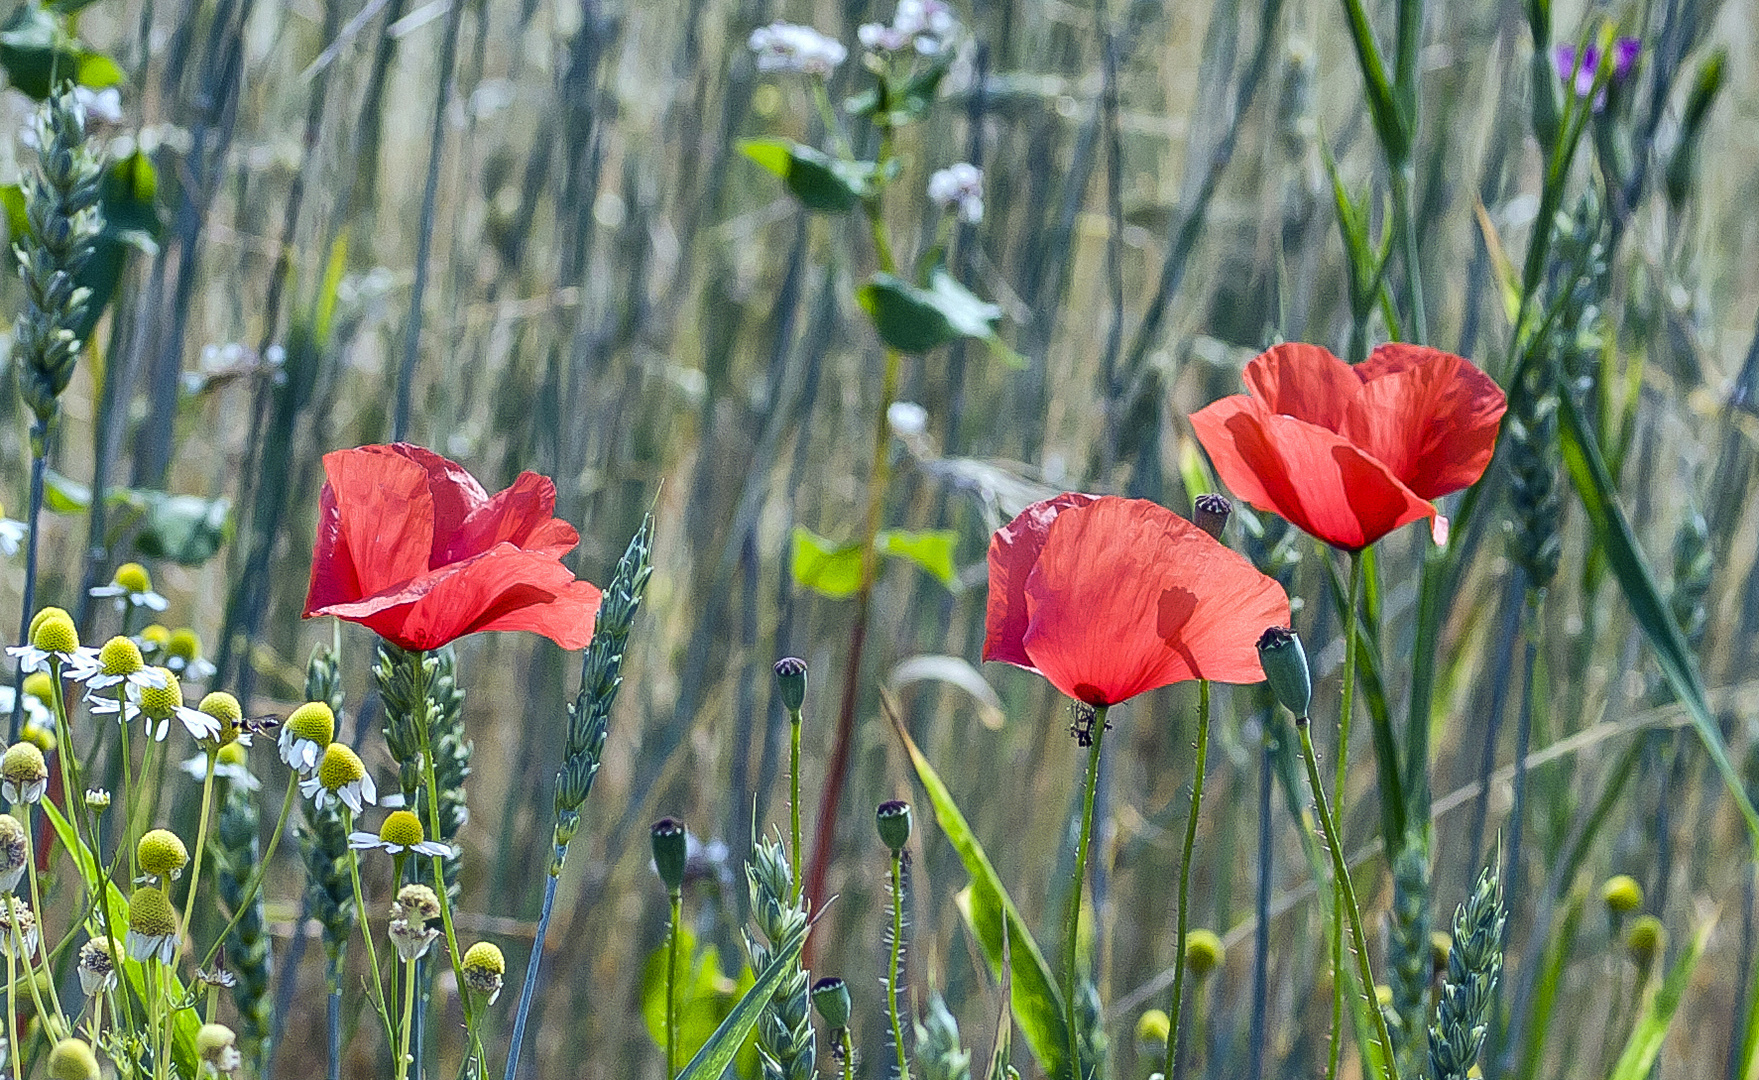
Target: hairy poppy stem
1345, 709
1173, 1009
1389, 1069
673, 935
1070, 945
895, 970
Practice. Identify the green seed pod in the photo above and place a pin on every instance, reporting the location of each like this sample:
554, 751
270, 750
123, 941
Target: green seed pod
791, 681
669, 852
831, 998
1204, 952
1622, 895
1285, 668
893, 819
1210, 513
73, 1059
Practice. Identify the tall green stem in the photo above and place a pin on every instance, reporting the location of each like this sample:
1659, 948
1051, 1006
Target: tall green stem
673, 936
1071, 942
432, 784
894, 972
201, 841
1389, 1069
1346, 710
407, 1020
1174, 1009
794, 802
1407, 226
256, 875
366, 935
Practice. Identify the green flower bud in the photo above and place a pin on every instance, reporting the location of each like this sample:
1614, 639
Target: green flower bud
1622, 895
893, 819
791, 681
1646, 940
1152, 1028
669, 852
1204, 952
1210, 513
831, 998
73, 1059
1285, 668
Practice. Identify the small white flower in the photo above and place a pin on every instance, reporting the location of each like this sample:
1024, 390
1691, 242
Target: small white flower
783, 46
12, 534
340, 776
18, 927
31, 658
97, 681
36, 712
126, 599
907, 418
926, 25
239, 776
300, 754
959, 187
141, 946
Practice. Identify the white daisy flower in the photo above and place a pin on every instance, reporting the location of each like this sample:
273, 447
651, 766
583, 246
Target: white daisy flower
24, 776
305, 734
152, 925
159, 705
12, 534
132, 587
400, 834
783, 46
340, 777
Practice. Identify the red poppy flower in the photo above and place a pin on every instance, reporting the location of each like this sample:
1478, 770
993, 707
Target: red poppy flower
1350, 453
1109, 597
410, 545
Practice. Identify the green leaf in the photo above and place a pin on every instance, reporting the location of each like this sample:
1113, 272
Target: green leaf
913, 99
723, 1047
1614, 538
931, 549
821, 182
64, 496
186, 529
914, 320
829, 569
1038, 1004
834, 570
1644, 1045
33, 49
705, 998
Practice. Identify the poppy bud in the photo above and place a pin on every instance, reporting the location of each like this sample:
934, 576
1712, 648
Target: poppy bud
669, 851
1285, 668
831, 998
791, 681
893, 819
1622, 895
1210, 513
1204, 952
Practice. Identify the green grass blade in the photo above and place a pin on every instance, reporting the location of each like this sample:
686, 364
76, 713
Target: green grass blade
1613, 536
718, 1054
1551, 978
1038, 1004
1644, 1045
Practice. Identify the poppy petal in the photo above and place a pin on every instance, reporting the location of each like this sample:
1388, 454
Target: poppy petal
1316, 479
567, 620
1303, 381
1012, 552
455, 492
523, 515
1430, 417
333, 577
1127, 596
463, 598
385, 514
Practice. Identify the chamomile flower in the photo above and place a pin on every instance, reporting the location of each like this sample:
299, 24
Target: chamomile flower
54, 641
159, 705
216, 1045
310, 729
415, 907
400, 834
13, 852
959, 188
183, 655
12, 534
152, 925
97, 968
340, 777
74, 1059
24, 776
120, 661
18, 927
483, 968
132, 587
226, 711
161, 854
38, 714
231, 767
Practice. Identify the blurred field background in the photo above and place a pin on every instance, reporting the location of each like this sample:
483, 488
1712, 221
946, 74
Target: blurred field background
592, 283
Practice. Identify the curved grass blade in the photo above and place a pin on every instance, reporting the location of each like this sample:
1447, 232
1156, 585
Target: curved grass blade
1038, 1004
722, 1048
1613, 536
